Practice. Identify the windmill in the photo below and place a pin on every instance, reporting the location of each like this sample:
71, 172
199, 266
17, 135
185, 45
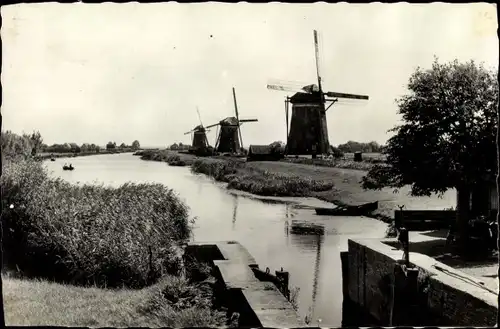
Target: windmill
308, 133
229, 138
199, 137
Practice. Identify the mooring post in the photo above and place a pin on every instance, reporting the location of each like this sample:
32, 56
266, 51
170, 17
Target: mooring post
404, 240
405, 290
284, 278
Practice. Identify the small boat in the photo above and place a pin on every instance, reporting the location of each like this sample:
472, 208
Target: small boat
52, 159
70, 167
348, 210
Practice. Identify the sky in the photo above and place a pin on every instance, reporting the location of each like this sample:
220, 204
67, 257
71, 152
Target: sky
93, 73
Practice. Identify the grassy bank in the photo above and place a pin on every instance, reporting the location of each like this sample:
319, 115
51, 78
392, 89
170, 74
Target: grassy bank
344, 163
127, 238
241, 176
172, 302
173, 158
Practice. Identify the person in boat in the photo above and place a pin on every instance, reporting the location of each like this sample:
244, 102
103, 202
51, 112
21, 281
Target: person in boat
70, 166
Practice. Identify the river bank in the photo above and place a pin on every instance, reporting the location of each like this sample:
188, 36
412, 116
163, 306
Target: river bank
337, 182
59, 249
260, 224
47, 156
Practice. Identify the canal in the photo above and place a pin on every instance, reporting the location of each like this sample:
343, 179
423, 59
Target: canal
221, 214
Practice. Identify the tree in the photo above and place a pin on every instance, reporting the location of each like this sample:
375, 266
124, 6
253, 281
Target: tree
136, 145
122, 146
85, 147
74, 147
110, 145
447, 139
36, 141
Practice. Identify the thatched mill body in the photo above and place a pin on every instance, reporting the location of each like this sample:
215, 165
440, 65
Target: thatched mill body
199, 139
199, 143
308, 133
229, 139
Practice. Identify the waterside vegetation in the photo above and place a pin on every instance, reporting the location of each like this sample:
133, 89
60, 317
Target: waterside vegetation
89, 246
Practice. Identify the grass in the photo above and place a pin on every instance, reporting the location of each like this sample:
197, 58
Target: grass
244, 177
171, 157
126, 236
172, 302
346, 162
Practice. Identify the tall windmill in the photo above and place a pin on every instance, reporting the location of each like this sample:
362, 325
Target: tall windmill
308, 132
229, 138
199, 136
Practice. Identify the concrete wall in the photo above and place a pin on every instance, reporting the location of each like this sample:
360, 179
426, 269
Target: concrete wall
260, 304
449, 299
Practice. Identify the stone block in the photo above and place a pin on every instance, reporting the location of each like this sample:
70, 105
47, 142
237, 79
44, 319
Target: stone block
279, 318
451, 298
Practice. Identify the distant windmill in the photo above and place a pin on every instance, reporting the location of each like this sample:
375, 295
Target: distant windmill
229, 138
199, 137
308, 132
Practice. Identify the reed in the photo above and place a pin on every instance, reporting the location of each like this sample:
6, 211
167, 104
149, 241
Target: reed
81, 234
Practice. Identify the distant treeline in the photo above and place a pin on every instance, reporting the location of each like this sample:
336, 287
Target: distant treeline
349, 147
32, 144
352, 146
179, 147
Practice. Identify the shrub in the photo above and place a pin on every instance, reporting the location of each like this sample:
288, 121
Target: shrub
89, 233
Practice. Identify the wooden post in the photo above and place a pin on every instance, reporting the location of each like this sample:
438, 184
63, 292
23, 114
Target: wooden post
405, 308
284, 278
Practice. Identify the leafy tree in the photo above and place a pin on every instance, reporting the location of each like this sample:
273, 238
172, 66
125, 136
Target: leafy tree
123, 145
74, 148
85, 147
447, 139
174, 147
136, 145
66, 147
352, 146
36, 141
14, 145
110, 145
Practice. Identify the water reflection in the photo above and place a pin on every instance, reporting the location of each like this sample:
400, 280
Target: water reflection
235, 209
311, 243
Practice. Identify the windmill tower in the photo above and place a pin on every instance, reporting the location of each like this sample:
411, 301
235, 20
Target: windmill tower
199, 137
229, 138
308, 132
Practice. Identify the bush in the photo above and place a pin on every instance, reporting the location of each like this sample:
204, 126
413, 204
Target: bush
177, 302
84, 234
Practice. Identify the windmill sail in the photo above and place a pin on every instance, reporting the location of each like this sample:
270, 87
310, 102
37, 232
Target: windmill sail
316, 52
237, 117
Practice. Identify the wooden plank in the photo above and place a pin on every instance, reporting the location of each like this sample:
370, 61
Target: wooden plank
421, 220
